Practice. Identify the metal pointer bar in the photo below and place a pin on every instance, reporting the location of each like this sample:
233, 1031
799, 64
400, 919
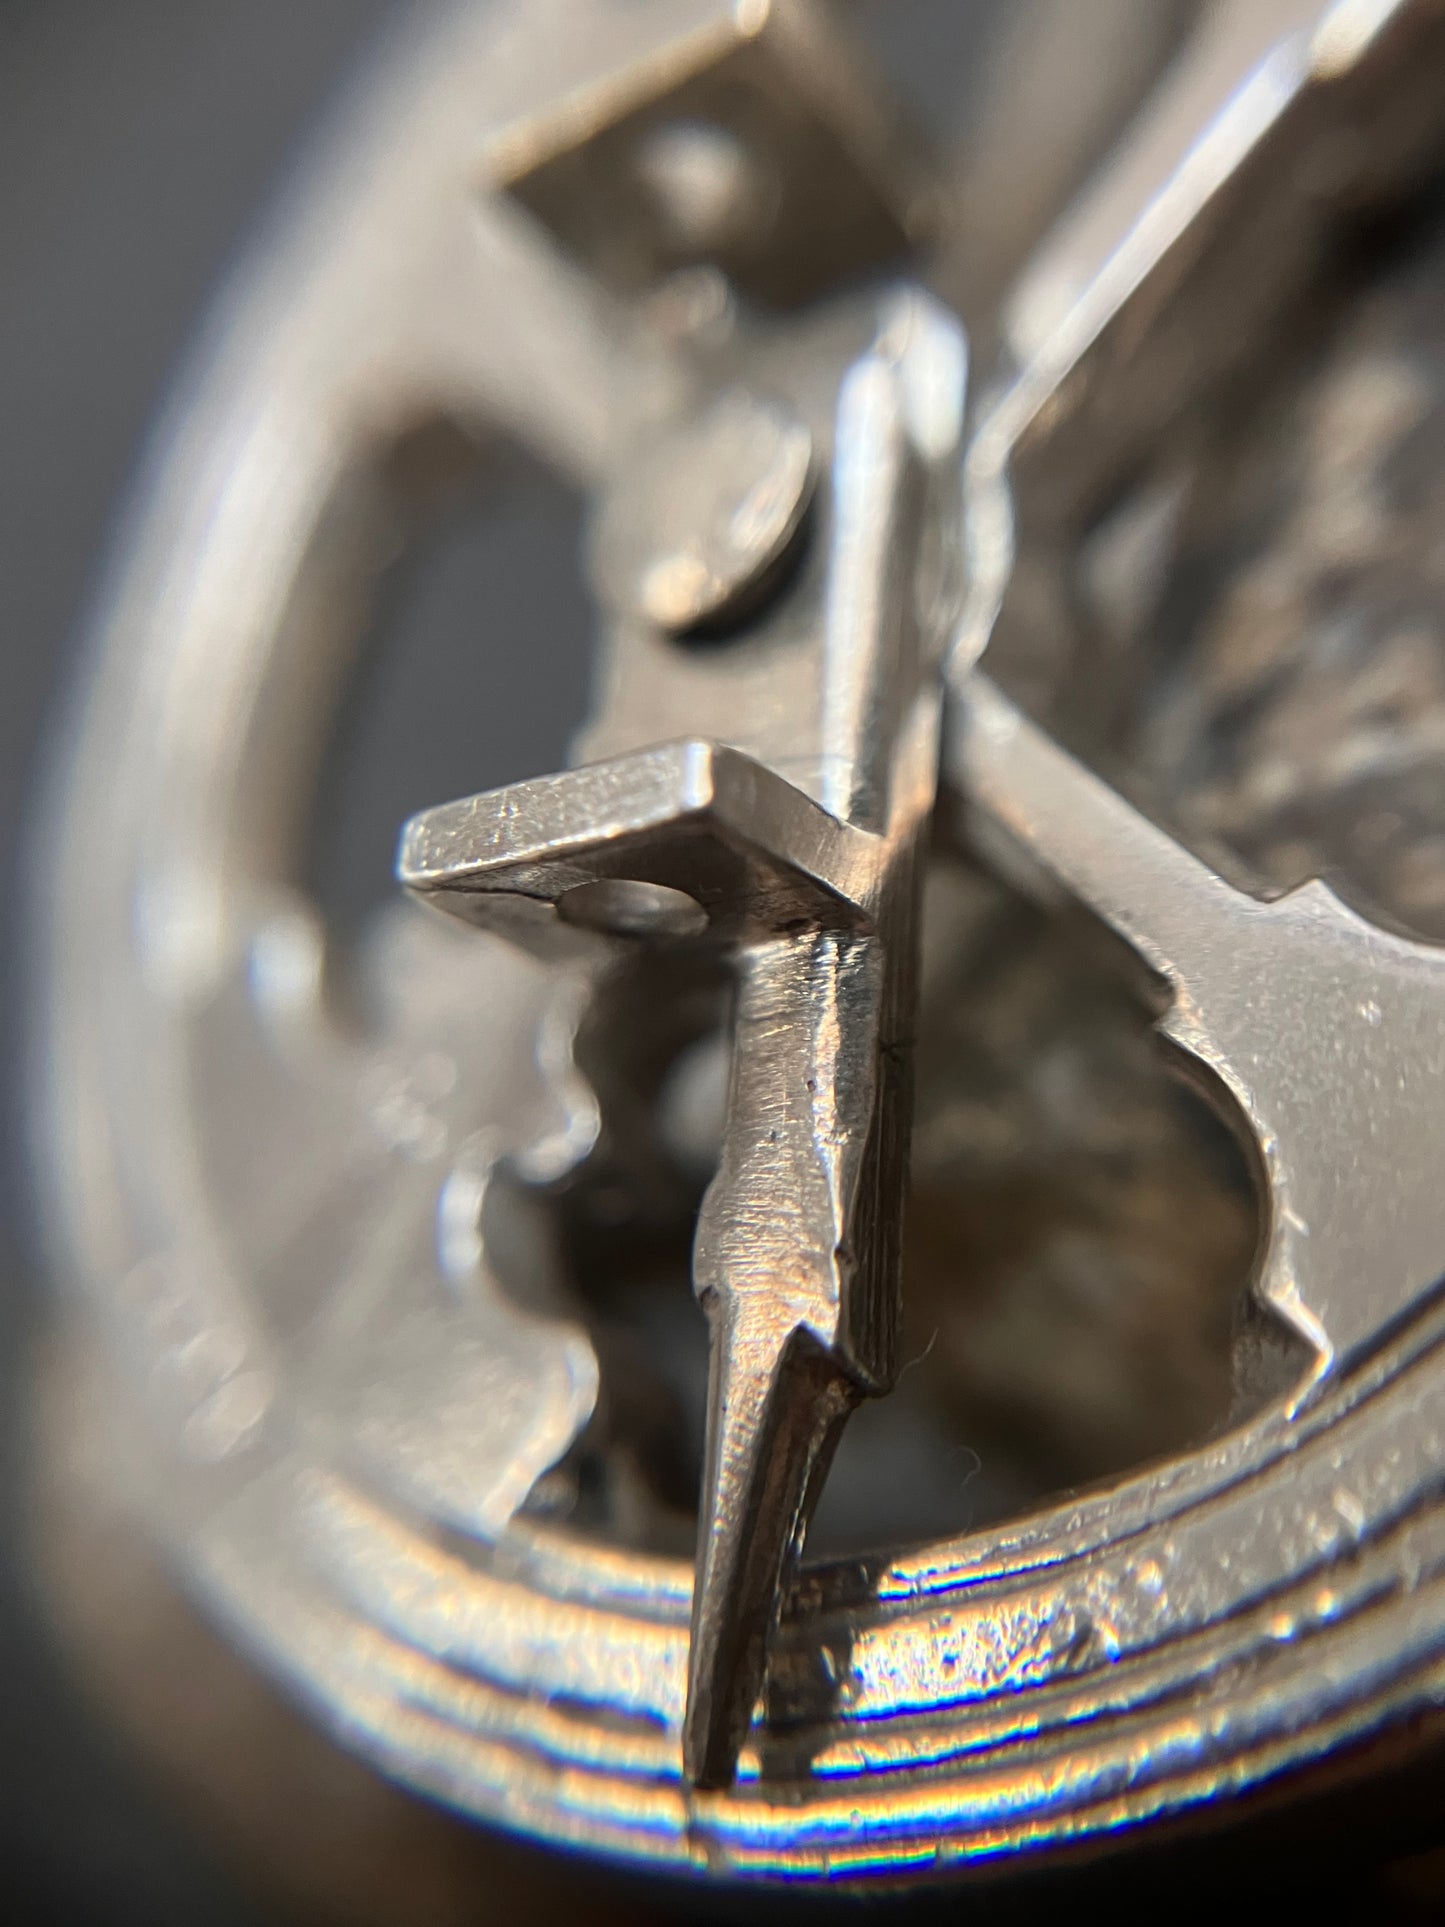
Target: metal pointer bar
818, 533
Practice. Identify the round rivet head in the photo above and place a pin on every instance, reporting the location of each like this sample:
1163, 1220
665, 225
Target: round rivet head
698, 530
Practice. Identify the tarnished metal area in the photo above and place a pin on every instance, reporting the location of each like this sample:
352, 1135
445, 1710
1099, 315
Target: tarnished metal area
339, 1236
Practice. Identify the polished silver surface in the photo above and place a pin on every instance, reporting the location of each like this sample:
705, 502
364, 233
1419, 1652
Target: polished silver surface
314, 1237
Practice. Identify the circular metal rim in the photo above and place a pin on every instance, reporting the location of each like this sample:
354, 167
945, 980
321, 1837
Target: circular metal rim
997, 1693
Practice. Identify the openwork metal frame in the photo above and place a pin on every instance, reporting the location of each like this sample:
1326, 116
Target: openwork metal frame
223, 1147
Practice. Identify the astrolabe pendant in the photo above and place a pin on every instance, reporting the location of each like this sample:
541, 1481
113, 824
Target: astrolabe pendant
614, 1333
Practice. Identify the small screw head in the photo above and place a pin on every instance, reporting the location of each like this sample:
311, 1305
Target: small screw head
694, 534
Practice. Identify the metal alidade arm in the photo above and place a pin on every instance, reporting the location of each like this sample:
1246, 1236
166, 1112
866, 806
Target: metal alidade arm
780, 818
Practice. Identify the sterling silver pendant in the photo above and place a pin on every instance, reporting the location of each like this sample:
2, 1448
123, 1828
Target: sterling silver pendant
958, 736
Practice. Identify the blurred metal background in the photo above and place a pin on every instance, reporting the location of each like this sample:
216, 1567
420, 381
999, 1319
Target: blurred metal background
135, 143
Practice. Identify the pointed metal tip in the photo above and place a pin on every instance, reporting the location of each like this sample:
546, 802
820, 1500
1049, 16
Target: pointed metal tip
777, 1403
